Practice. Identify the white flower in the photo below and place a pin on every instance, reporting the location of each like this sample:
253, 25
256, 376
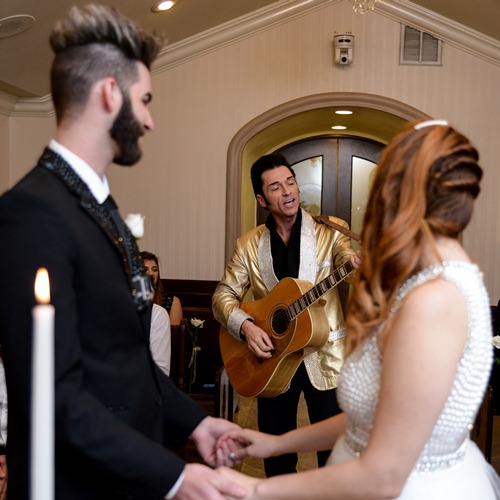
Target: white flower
197, 323
135, 223
496, 341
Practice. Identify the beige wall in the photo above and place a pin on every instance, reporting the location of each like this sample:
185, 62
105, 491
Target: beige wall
29, 135
200, 105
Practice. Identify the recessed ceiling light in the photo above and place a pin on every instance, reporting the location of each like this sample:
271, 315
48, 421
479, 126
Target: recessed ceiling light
14, 25
343, 112
339, 127
163, 6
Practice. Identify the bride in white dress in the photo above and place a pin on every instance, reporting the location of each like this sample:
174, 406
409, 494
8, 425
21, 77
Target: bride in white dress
419, 344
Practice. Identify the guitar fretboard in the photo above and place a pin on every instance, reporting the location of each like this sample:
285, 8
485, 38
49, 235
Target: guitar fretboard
317, 291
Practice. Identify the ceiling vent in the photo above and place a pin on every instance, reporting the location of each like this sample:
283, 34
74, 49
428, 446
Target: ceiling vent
419, 48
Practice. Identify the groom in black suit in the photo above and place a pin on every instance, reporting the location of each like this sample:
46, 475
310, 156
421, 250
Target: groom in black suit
116, 413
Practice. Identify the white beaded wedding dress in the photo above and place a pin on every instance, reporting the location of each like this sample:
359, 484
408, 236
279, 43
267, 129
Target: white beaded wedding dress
450, 466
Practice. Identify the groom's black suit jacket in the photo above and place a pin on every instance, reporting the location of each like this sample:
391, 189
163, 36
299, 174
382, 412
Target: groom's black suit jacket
115, 412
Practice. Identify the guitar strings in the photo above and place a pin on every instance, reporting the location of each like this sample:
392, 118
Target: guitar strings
303, 302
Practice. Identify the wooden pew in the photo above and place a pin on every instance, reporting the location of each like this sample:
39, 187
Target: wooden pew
178, 355
211, 388
482, 432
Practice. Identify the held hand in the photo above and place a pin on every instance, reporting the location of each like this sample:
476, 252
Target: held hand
205, 436
257, 339
202, 482
237, 445
248, 482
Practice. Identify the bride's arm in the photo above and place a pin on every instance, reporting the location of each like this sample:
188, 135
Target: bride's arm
316, 437
244, 443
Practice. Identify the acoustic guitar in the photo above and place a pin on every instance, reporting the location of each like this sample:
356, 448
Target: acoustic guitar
294, 318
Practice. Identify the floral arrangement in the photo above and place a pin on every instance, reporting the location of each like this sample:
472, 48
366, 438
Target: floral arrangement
496, 345
194, 326
135, 223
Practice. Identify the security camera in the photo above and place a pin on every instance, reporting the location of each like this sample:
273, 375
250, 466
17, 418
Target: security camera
344, 56
343, 45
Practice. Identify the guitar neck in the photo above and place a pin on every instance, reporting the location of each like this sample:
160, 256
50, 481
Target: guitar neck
317, 291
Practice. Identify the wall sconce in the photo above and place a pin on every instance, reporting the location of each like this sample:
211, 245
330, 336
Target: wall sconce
343, 46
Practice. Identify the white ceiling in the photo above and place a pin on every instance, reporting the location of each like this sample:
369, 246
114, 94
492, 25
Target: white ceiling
25, 58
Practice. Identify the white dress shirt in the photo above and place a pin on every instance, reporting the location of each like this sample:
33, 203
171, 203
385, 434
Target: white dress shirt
98, 186
160, 338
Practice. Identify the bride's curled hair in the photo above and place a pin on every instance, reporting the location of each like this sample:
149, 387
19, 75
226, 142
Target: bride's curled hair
425, 186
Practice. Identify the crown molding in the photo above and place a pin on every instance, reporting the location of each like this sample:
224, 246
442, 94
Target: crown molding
7, 103
402, 11
235, 31
193, 47
26, 106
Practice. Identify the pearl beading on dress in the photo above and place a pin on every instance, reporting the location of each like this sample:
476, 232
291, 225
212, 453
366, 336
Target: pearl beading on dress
359, 384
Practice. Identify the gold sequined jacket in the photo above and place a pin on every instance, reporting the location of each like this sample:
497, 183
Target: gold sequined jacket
322, 249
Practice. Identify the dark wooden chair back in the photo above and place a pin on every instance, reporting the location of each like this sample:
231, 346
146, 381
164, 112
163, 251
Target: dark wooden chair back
482, 432
178, 356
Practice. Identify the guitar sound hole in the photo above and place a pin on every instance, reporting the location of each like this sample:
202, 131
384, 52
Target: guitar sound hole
280, 322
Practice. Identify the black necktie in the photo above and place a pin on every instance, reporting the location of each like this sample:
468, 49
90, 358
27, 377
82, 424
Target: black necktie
110, 205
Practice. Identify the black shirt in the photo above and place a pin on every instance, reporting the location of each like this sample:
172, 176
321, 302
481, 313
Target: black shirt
286, 258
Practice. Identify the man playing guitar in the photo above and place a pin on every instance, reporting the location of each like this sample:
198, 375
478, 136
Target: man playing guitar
291, 244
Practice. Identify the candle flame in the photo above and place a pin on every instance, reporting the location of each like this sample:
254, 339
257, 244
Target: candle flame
42, 286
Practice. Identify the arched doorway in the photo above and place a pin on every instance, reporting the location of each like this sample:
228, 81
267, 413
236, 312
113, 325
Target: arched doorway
377, 119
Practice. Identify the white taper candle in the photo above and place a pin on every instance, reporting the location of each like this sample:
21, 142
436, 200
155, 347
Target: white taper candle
42, 399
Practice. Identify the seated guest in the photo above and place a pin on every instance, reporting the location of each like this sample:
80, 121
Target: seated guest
160, 338
170, 302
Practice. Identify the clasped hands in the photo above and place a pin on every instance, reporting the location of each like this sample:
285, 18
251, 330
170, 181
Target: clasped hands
234, 446
222, 444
